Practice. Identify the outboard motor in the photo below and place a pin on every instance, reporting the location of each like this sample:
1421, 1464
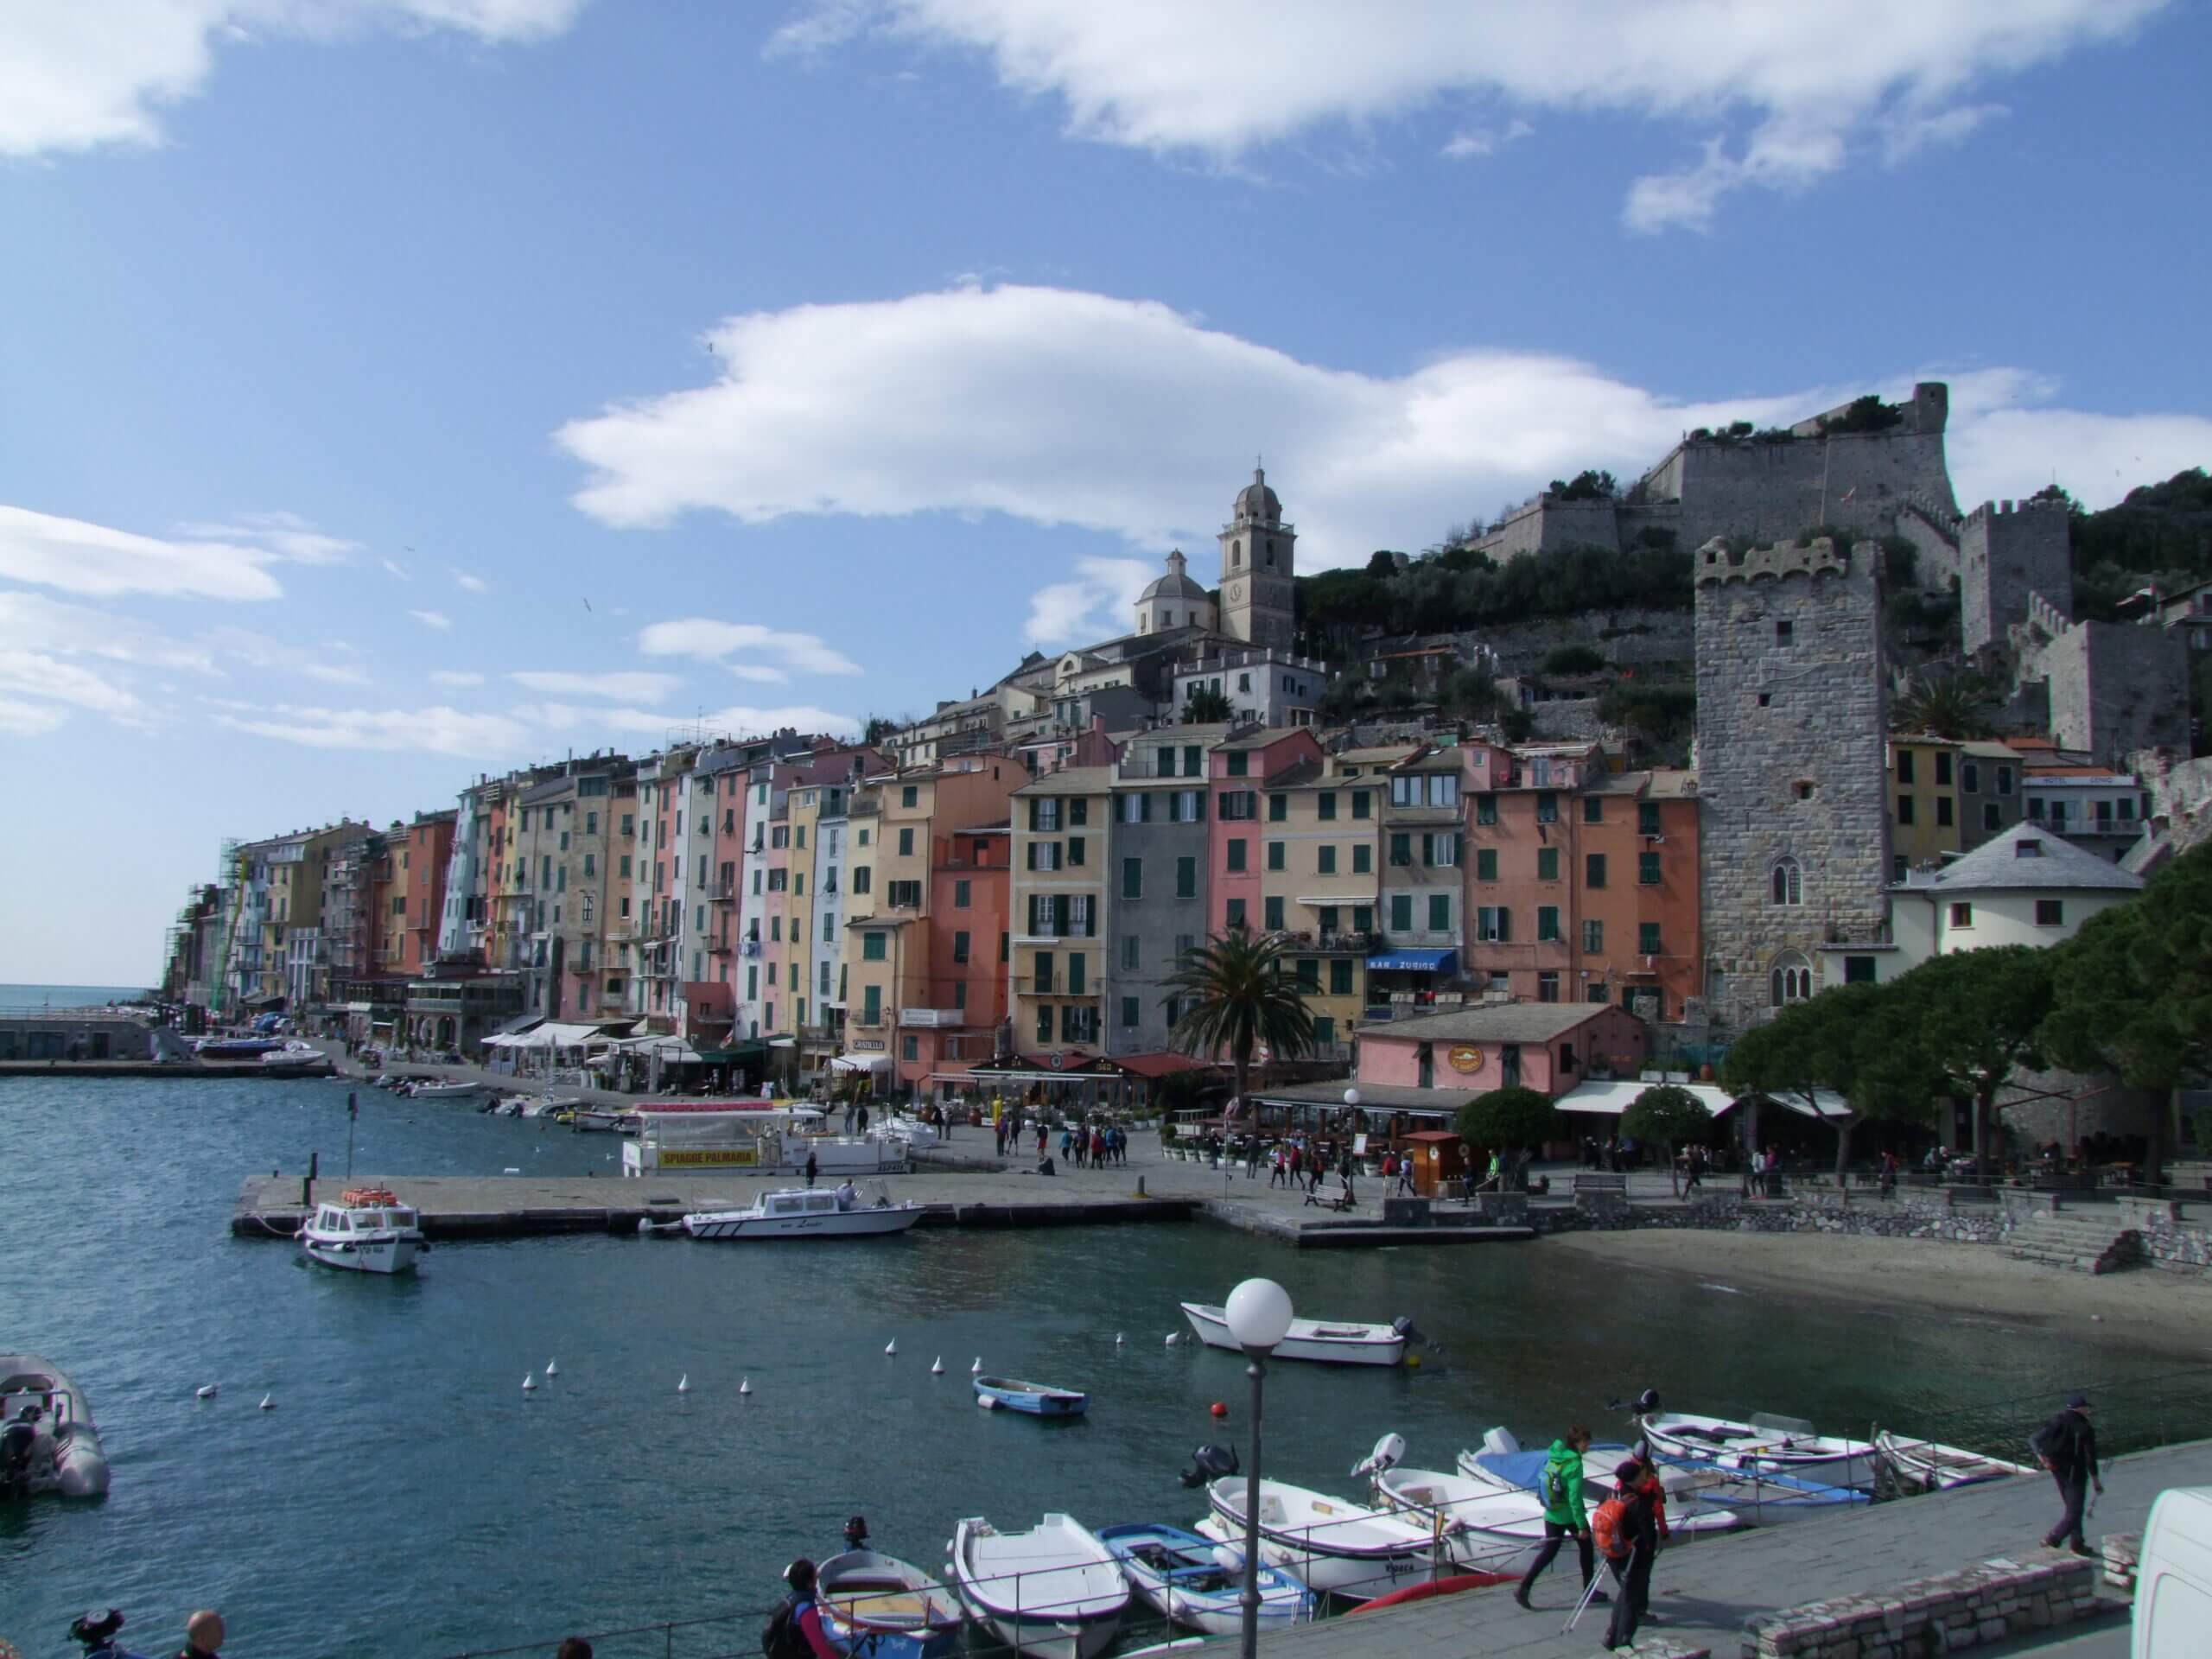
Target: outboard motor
1389, 1451
1209, 1463
1404, 1327
95, 1631
18, 1442
857, 1533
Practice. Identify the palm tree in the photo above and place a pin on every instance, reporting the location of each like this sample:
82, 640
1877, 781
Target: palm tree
1207, 706
1241, 997
1954, 705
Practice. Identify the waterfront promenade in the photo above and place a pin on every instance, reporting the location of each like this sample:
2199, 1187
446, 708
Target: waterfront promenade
1704, 1591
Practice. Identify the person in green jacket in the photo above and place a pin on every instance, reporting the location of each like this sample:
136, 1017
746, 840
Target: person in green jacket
1559, 1485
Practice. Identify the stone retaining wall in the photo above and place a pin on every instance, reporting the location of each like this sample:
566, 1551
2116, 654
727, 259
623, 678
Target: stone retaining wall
1929, 1212
2168, 1236
1984, 1603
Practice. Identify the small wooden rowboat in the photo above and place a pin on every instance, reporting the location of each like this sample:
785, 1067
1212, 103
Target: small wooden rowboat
1032, 1399
1931, 1467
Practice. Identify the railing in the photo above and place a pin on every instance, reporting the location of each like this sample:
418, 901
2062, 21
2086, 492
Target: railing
721, 892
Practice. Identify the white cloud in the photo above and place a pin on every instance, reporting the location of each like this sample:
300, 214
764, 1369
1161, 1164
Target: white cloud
736, 720
711, 641
1098, 603
455, 677
22, 719
759, 673
284, 534
616, 687
1810, 81
471, 584
437, 620
34, 676
81, 630
1046, 406
394, 567
78, 74
1470, 141
93, 560
280, 656
435, 730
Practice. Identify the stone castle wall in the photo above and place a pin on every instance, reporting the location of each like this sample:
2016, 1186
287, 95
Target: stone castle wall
2112, 688
2007, 554
1790, 759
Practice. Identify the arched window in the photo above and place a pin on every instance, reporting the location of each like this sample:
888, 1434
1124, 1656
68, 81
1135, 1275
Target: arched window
1790, 980
1271, 552
1788, 886
1235, 554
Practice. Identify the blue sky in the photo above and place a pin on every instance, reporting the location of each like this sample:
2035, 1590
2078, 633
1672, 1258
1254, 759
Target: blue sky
399, 390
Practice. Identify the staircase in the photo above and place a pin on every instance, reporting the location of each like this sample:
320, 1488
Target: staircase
2093, 1239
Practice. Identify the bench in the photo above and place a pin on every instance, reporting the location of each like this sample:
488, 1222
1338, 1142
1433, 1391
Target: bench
1601, 1183
1335, 1201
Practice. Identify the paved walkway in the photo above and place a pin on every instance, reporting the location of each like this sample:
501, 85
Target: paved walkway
1705, 1591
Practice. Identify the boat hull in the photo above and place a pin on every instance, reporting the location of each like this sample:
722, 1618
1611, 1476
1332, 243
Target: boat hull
1198, 1583
1820, 1460
731, 1226
888, 1608
1031, 1399
63, 1456
364, 1255
1333, 1548
1926, 1465
1076, 1623
1315, 1340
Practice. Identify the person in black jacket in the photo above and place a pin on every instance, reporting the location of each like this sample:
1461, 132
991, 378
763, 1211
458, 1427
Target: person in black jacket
1637, 1527
2068, 1446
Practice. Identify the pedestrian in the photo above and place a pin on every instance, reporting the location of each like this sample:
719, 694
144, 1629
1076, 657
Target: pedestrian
1405, 1175
1344, 1172
1694, 1162
1252, 1156
863, 1117
1565, 1511
1276, 1169
1626, 1531
998, 1131
2068, 1446
810, 1167
1097, 1149
573, 1647
794, 1630
1040, 1137
203, 1636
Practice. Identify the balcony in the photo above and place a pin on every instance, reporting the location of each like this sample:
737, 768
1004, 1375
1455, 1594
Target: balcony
748, 947
721, 892
718, 947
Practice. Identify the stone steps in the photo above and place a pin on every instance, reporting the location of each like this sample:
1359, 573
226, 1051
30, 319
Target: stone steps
2077, 1242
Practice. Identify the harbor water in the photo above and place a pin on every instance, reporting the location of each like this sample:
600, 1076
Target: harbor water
405, 1496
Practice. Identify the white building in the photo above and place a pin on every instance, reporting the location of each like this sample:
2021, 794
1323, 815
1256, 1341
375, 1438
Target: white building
1272, 687
1175, 600
2026, 887
2093, 806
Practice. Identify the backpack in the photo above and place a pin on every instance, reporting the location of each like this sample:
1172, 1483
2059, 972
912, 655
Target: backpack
781, 1638
1605, 1526
1554, 1487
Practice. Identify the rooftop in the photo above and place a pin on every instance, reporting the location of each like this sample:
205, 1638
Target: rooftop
1074, 780
1499, 1022
2026, 857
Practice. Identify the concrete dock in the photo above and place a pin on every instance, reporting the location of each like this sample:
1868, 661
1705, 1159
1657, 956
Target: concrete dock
1705, 1593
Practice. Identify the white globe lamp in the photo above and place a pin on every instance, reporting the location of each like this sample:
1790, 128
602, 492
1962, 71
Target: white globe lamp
1259, 1315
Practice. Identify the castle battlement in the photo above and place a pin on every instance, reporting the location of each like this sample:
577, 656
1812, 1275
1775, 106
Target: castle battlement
1717, 562
2043, 614
1938, 517
1988, 509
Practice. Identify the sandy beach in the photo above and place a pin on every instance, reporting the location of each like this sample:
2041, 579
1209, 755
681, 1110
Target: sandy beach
2144, 1309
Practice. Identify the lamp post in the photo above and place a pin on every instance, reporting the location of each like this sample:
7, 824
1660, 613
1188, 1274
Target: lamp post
1258, 1313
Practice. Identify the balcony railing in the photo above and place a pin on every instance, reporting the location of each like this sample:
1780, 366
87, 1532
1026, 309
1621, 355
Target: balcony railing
721, 892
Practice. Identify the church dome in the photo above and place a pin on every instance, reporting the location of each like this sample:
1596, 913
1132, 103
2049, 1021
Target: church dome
1256, 502
1173, 585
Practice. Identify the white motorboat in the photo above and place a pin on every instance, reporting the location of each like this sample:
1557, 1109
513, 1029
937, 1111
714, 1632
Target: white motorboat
547, 1105
1924, 1465
1332, 1344
1338, 1547
1503, 1464
427, 1089
804, 1213
1053, 1592
367, 1230
1485, 1528
1764, 1445
1198, 1584
47, 1443
591, 1119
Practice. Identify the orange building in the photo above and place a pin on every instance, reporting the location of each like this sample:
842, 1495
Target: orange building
1582, 883
421, 852
964, 989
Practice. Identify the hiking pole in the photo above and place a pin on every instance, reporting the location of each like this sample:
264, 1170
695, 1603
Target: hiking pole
1589, 1590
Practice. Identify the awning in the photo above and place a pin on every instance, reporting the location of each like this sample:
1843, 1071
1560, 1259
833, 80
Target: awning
1612, 1097
1419, 962
860, 1062
732, 1053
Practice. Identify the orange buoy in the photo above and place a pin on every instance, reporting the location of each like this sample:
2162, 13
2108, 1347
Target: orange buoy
1218, 1409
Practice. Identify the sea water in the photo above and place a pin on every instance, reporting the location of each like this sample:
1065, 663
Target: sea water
405, 1497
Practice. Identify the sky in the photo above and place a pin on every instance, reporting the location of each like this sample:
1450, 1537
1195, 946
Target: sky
394, 392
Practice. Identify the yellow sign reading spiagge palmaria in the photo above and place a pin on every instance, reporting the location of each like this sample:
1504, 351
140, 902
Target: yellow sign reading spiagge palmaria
1465, 1057
726, 1157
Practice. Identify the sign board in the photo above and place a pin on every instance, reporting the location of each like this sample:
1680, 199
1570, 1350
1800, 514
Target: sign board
1465, 1057
1359, 1145
1056, 1059
709, 1157
867, 1043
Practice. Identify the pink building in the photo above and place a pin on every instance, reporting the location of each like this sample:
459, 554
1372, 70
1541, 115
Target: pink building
1549, 1047
1242, 770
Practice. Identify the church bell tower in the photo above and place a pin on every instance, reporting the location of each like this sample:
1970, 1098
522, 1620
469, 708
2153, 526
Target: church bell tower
1258, 558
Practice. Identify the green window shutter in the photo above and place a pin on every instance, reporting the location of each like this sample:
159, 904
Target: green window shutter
1548, 864
1439, 913
1363, 859
1340, 977
1401, 912
1486, 864
1274, 855
1278, 808
1274, 914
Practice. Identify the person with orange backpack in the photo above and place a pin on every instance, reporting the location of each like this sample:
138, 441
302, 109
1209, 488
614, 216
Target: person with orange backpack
1627, 1534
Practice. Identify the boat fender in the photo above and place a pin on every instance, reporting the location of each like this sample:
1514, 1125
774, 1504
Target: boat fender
1217, 1410
987, 1402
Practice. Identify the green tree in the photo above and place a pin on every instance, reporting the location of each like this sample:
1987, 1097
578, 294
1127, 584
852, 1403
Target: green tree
1383, 562
1240, 997
880, 726
1955, 704
1588, 485
1516, 724
1973, 1016
1207, 706
1510, 1122
1574, 659
1470, 692
1843, 1058
1671, 1116
2133, 990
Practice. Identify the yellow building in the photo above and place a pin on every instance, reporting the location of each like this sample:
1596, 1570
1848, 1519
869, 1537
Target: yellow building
1319, 886
1948, 797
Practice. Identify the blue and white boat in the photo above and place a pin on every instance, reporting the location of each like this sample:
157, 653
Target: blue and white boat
1033, 1399
1503, 1463
886, 1608
1198, 1583
1762, 1499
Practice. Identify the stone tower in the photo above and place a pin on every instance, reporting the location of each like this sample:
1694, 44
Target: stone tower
2006, 553
1258, 558
1792, 776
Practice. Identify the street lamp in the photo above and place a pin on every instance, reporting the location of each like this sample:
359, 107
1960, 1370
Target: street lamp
1258, 1317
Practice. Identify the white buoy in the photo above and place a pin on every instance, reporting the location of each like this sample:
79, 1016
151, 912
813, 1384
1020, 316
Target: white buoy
976, 1370
206, 1391
268, 1402
987, 1402
684, 1384
529, 1382
745, 1387
1118, 1338
937, 1366
891, 1346
1173, 1338
551, 1370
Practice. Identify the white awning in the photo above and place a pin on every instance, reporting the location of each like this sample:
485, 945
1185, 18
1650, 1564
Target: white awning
1612, 1097
860, 1062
